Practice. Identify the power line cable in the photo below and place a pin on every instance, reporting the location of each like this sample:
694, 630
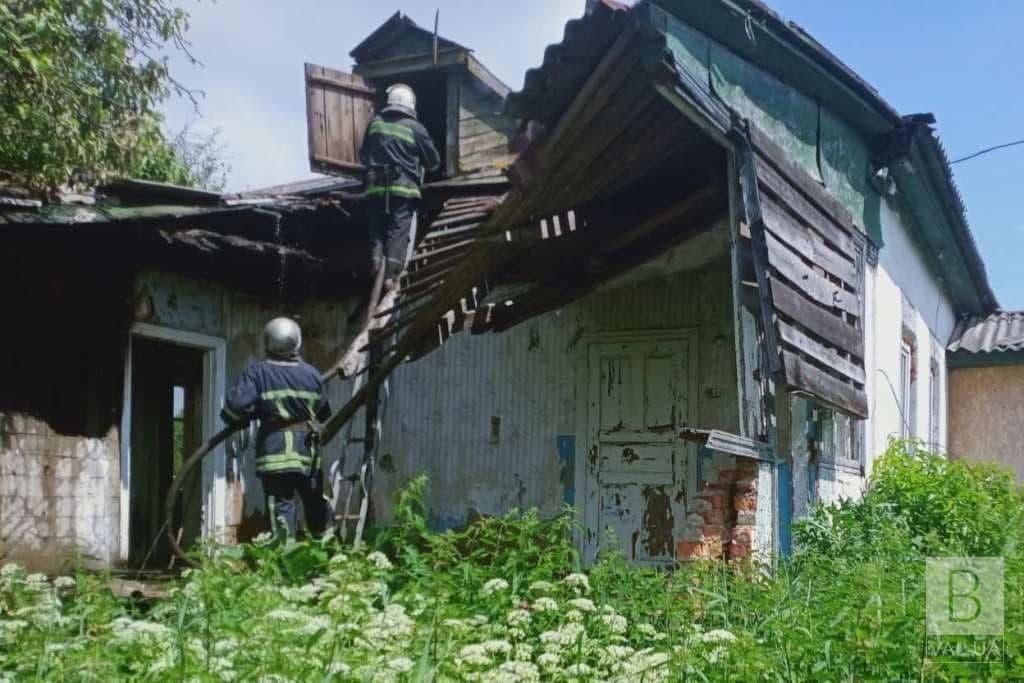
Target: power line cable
986, 151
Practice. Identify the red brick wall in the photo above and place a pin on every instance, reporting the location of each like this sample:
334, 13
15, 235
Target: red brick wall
721, 519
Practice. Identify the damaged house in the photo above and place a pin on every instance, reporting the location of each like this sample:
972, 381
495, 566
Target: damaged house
689, 280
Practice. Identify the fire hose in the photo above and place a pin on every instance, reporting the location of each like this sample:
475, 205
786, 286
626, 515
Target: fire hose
223, 435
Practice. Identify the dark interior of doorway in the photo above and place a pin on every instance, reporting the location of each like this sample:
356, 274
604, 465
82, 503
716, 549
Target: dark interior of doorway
166, 414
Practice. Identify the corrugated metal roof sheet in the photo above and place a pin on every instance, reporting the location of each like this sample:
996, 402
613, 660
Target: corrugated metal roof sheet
549, 88
1003, 331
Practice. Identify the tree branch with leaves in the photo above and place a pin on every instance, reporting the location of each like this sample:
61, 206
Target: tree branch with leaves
80, 86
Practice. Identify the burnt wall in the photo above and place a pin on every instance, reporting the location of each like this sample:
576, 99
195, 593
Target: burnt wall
62, 363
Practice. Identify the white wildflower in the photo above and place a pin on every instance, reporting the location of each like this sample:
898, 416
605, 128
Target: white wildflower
11, 571
393, 624
495, 586
126, 630
583, 604
579, 670
64, 583
718, 636
473, 655
541, 587
523, 652
548, 660
9, 628
574, 615
616, 623
263, 538
518, 617
518, 672
339, 668
650, 632
617, 652
313, 626
544, 605
401, 665
380, 559
564, 636
456, 624
304, 593
285, 615
497, 647
37, 582
478, 620
338, 559
578, 582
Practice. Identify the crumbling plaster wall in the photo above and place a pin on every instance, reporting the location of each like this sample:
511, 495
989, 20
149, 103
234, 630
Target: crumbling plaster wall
492, 419
59, 496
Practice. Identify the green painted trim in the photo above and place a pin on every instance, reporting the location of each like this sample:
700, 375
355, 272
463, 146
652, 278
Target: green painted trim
991, 359
393, 130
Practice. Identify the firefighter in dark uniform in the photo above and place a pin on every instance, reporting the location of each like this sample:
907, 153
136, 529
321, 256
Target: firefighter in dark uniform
286, 395
396, 151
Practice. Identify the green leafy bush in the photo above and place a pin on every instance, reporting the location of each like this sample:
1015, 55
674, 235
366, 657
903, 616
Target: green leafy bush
504, 599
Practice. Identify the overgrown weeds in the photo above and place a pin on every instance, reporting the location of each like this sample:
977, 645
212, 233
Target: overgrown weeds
505, 599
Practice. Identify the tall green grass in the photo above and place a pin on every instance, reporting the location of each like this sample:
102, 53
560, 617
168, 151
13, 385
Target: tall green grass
506, 600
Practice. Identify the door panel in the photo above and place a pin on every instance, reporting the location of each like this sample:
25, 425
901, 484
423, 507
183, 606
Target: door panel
339, 107
638, 472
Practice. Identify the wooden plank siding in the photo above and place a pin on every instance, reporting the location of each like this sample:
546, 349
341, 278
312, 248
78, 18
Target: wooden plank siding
809, 261
483, 130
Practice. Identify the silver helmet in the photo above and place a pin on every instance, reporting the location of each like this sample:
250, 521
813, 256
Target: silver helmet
401, 98
282, 336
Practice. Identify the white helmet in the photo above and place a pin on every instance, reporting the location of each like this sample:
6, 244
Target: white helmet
401, 97
282, 337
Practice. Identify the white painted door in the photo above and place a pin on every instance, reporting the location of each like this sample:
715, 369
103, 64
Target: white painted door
638, 473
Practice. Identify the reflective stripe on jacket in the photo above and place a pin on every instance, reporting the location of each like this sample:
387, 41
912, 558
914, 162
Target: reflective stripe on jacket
281, 395
399, 141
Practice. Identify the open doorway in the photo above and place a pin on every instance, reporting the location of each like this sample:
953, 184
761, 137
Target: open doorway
173, 381
432, 103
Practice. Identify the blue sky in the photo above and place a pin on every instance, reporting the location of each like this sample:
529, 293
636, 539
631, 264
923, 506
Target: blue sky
960, 60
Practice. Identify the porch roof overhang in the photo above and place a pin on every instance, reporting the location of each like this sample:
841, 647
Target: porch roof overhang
638, 109
251, 242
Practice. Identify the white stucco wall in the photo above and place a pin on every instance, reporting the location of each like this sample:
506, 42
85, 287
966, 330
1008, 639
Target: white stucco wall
903, 277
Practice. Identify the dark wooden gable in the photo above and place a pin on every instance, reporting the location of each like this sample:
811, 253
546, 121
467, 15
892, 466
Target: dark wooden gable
809, 261
397, 37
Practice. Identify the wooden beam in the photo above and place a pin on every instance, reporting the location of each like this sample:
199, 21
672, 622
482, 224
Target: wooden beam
824, 324
824, 355
824, 387
770, 152
632, 247
808, 245
804, 279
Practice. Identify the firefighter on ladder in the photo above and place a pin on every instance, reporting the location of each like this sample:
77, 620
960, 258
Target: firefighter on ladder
396, 151
286, 395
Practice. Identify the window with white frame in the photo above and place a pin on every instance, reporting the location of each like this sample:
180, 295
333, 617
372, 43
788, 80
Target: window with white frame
934, 405
837, 439
907, 387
